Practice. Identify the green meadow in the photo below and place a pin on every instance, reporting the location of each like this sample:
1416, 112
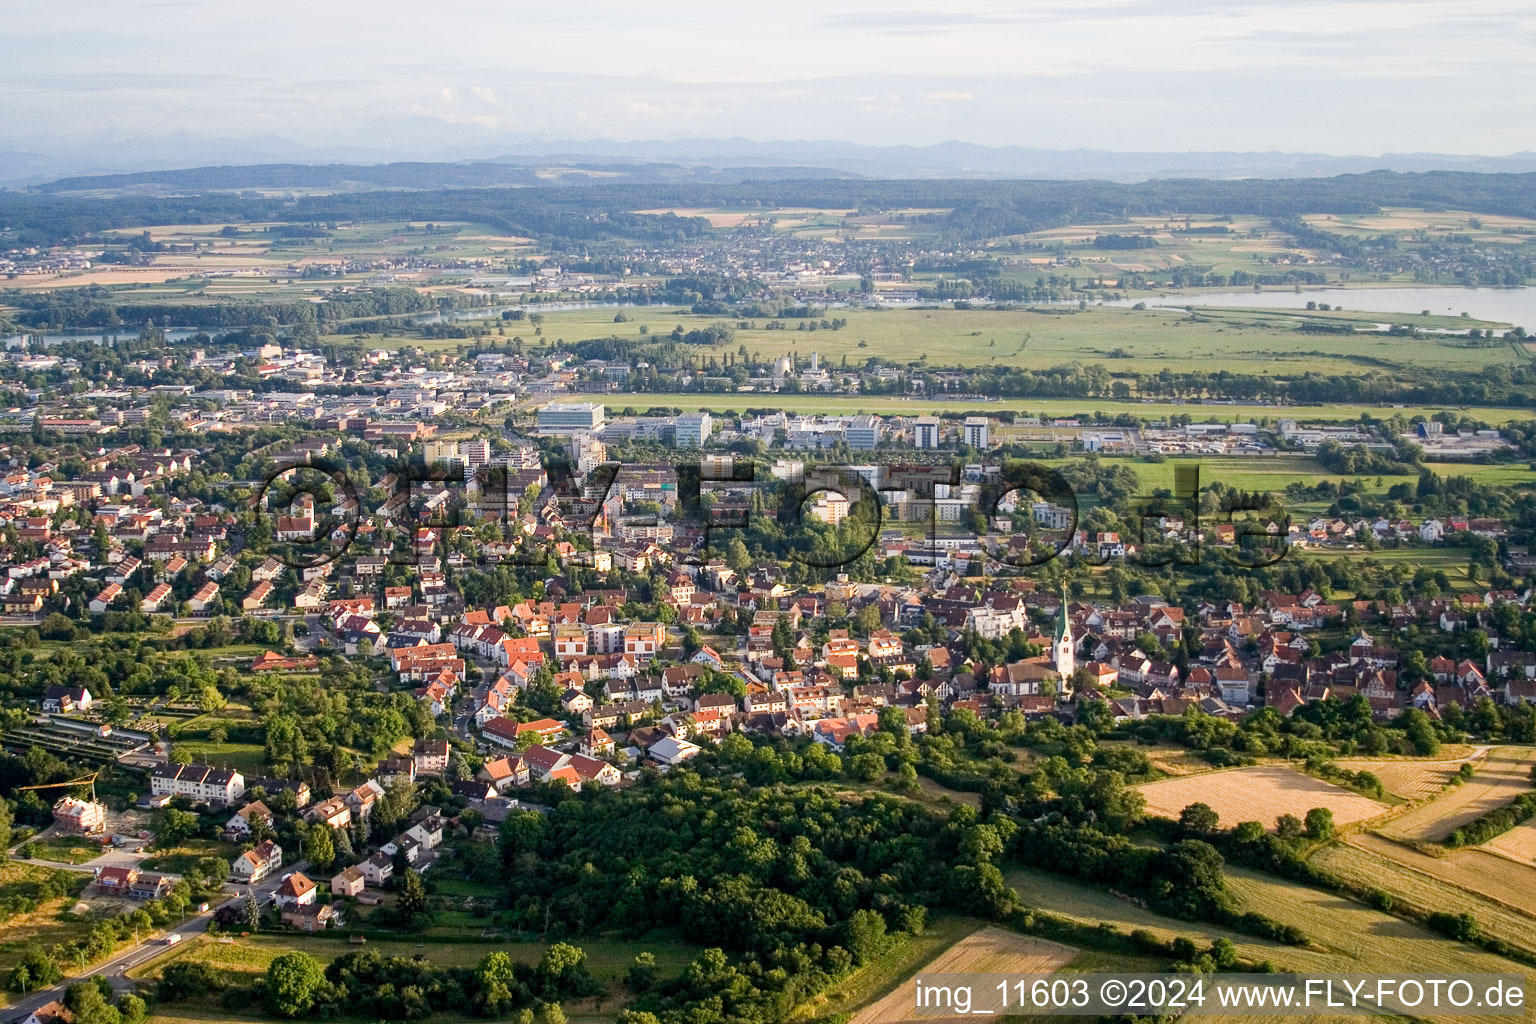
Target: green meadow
1124, 340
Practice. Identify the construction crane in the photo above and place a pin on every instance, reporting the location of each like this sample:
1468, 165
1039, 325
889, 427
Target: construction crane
82, 780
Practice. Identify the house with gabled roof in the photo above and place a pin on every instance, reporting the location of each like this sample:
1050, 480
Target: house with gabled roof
296, 890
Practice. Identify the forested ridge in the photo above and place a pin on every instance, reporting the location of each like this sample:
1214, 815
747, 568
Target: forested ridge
977, 209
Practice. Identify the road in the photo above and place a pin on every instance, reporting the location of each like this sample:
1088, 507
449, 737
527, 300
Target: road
115, 969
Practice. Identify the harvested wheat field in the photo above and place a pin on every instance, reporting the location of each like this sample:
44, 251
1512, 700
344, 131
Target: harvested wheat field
1261, 794
988, 950
1519, 842
1503, 775
1411, 780
1424, 893
1487, 874
1344, 937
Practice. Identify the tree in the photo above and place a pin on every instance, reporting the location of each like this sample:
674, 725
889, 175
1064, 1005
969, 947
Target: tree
171, 826
1288, 827
1199, 820
866, 767
89, 1006
1319, 823
561, 963
294, 983
186, 980
132, 1008
411, 898
319, 846
1249, 831
250, 913
36, 970
496, 976
737, 557
864, 936
642, 974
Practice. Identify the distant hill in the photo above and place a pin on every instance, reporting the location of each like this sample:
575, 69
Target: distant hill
417, 175
183, 161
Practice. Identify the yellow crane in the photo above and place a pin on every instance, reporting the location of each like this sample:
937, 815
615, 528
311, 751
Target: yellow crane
82, 780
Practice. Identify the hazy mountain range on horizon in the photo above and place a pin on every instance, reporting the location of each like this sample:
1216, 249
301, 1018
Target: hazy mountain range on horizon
140, 160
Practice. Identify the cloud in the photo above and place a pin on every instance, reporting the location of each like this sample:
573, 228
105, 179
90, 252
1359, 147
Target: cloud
1343, 76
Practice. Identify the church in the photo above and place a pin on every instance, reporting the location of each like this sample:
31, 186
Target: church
1026, 678
1063, 645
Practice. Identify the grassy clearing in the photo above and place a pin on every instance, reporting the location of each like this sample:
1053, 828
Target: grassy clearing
249, 956
247, 758
179, 859
43, 924
25, 880
67, 849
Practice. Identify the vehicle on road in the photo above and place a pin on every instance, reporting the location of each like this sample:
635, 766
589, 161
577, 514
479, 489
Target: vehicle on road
172, 939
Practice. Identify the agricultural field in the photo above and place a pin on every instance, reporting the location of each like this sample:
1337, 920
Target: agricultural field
1123, 339
843, 405
880, 976
1409, 780
1475, 870
1503, 775
1519, 843
1343, 936
1421, 892
987, 950
1481, 227
1262, 794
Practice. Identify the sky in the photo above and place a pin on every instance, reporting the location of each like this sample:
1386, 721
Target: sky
1364, 77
